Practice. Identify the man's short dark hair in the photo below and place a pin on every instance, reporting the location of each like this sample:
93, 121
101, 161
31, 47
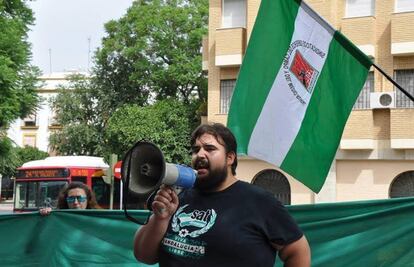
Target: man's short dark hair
220, 132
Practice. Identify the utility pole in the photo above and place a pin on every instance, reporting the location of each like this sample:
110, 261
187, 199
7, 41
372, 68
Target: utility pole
113, 161
50, 61
89, 51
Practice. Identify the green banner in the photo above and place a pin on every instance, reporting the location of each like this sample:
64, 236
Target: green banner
367, 233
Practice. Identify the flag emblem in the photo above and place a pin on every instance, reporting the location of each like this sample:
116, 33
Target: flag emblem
304, 71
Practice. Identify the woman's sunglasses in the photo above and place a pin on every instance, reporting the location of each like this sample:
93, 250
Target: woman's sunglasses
72, 199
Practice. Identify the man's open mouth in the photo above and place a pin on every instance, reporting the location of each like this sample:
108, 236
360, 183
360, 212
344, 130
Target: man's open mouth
201, 165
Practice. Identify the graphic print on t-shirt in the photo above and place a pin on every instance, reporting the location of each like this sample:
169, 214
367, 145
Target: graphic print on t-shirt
186, 227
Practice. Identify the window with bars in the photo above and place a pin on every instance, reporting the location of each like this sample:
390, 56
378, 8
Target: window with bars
30, 121
405, 78
276, 183
226, 91
402, 185
364, 97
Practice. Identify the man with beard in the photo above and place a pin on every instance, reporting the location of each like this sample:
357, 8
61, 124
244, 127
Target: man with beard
221, 221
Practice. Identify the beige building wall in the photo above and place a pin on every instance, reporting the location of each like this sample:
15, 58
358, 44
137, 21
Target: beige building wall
367, 179
377, 144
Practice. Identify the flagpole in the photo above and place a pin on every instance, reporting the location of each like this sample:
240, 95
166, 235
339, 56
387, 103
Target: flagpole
394, 82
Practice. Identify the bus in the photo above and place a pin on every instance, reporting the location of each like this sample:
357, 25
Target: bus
38, 182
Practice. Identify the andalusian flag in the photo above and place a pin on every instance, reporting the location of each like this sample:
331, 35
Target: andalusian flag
296, 87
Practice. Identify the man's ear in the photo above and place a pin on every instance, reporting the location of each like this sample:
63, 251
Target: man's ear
230, 158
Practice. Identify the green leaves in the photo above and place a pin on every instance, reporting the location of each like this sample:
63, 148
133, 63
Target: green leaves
155, 48
166, 124
16, 156
78, 111
147, 83
18, 79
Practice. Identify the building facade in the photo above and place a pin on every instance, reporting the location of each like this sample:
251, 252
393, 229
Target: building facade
375, 159
34, 130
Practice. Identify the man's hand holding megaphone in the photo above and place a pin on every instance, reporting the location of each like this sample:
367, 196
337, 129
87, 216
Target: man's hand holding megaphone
165, 202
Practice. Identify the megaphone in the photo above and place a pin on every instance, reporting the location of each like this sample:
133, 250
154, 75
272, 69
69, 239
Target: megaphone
144, 169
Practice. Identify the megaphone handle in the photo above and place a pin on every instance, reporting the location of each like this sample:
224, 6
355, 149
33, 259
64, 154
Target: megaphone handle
150, 199
177, 189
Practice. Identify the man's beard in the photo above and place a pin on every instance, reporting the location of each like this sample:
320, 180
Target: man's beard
213, 180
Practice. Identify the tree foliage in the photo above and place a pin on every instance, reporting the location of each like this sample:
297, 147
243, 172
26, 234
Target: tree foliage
154, 51
76, 109
29, 153
151, 54
9, 163
17, 156
166, 124
18, 79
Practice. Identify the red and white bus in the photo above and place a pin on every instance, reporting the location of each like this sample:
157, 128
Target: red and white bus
38, 182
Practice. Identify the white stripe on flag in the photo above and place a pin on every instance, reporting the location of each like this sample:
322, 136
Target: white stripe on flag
285, 106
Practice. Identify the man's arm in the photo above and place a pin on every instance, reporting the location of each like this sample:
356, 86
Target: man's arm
148, 237
296, 254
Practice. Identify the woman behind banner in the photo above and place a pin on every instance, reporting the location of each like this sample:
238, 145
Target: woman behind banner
75, 195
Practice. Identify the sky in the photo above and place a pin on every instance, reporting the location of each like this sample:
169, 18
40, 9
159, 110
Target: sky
62, 28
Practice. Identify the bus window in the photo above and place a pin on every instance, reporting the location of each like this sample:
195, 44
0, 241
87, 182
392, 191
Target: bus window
25, 195
20, 196
117, 195
81, 179
102, 191
31, 195
49, 192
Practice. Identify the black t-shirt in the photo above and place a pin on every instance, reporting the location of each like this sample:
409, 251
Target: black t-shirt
233, 227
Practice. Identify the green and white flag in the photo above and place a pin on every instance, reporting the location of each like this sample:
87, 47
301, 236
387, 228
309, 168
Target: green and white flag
296, 88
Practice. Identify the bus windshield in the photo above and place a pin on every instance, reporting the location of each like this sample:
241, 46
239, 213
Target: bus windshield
37, 194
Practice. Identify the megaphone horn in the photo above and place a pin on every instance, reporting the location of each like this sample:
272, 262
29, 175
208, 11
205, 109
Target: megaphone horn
144, 169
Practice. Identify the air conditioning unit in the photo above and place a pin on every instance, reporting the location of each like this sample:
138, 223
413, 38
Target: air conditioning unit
382, 100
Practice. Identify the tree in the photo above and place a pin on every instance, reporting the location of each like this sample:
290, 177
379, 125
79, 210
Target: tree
29, 153
150, 54
10, 162
166, 124
154, 51
18, 79
18, 156
17, 76
76, 109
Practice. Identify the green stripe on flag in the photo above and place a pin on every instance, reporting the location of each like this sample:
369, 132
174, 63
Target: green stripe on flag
336, 91
264, 56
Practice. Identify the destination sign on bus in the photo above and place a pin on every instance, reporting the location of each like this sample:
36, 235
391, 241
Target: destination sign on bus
79, 172
43, 173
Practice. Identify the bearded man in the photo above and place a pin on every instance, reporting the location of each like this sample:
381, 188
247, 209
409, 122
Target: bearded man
221, 221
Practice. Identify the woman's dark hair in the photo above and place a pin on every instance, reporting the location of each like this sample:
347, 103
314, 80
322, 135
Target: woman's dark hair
220, 132
90, 195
